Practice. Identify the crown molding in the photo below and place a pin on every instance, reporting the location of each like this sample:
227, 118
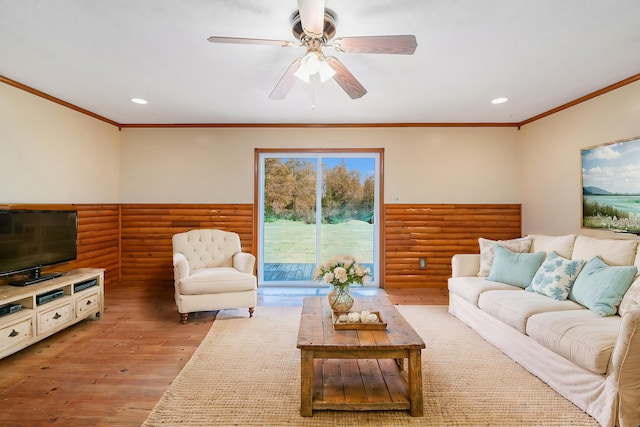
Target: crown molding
55, 100
312, 125
59, 101
580, 100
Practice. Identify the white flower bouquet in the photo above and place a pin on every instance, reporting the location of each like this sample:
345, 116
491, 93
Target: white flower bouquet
342, 271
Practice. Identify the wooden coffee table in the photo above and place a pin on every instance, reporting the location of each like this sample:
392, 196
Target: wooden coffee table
358, 370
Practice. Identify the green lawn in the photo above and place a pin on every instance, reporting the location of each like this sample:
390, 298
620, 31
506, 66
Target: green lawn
295, 242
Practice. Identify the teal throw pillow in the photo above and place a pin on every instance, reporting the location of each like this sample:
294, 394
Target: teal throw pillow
556, 276
601, 287
514, 268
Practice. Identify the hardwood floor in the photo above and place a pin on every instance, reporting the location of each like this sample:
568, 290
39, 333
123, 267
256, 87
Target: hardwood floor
111, 372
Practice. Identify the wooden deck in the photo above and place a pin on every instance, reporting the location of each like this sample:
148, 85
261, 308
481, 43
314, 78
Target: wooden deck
290, 272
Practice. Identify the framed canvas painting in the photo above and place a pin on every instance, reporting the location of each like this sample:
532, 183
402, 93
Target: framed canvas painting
611, 186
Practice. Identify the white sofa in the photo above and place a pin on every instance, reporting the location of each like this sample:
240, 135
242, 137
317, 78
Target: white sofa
592, 361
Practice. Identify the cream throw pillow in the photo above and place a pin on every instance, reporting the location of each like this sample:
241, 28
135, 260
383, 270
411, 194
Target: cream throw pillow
521, 245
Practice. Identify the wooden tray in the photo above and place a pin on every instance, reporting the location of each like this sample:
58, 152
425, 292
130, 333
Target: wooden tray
380, 325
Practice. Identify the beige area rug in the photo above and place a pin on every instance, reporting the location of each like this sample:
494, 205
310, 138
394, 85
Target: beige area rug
246, 372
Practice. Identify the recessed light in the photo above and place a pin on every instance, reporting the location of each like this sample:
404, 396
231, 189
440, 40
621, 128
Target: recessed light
139, 101
499, 100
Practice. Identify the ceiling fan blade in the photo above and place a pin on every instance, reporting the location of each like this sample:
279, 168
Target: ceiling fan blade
312, 17
400, 45
240, 40
345, 79
286, 81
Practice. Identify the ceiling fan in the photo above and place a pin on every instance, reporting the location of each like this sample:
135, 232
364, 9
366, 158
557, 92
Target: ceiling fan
314, 26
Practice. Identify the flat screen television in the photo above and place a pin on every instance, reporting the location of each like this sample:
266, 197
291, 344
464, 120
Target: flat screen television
30, 240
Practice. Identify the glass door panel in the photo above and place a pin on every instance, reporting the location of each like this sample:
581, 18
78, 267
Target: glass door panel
288, 243
313, 207
348, 203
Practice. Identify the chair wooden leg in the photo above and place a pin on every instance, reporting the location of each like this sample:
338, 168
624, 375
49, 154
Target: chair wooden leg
251, 309
183, 318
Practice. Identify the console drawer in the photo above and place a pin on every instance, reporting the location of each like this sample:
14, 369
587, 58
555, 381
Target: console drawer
87, 304
54, 317
16, 332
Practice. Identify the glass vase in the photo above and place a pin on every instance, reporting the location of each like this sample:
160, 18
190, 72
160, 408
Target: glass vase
340, 299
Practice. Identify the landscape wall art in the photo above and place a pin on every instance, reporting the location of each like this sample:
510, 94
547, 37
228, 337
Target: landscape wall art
611, 186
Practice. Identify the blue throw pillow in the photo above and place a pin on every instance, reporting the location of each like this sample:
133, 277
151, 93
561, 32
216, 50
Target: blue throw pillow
514, 268
600, 287
556, 276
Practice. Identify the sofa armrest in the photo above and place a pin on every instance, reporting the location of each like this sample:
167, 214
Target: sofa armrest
624, 368
465, 265
244, 262
180, 266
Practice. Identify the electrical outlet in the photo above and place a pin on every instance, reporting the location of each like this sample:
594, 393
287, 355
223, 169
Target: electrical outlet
395, 198
423, 263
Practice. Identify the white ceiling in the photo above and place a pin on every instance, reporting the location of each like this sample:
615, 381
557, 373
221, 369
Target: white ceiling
99, 54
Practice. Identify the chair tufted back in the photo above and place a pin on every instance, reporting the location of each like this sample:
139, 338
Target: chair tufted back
205, 248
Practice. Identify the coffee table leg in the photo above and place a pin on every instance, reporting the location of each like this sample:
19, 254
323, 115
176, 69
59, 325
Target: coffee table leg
306, 383
415, 383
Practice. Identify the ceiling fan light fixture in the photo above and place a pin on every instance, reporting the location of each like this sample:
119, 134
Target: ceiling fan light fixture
325, 71
309, 65
311, 62
314, 63
314, 26
302, 74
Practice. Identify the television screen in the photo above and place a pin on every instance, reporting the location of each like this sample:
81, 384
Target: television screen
32, 239
611, 186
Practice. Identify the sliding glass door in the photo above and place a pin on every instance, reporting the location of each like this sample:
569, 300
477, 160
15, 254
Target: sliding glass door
313, 207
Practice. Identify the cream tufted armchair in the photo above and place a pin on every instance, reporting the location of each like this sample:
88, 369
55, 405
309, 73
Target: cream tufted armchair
212, 273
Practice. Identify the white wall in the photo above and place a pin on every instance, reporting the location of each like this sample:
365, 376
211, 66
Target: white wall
52, 154
422, 165
551, 163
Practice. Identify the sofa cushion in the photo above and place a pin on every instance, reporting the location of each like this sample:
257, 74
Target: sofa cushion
470, 288
555, 276
514, 268
521, 244
612, 251
600, 287
580, 336
562, 245
631, 299
515, 308
227, 279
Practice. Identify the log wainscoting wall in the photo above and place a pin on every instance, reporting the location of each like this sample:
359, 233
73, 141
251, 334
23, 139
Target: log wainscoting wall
410, 232
436, 232
147, 229
133, 241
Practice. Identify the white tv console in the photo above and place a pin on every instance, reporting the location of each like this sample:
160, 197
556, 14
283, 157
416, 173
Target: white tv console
42, 314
